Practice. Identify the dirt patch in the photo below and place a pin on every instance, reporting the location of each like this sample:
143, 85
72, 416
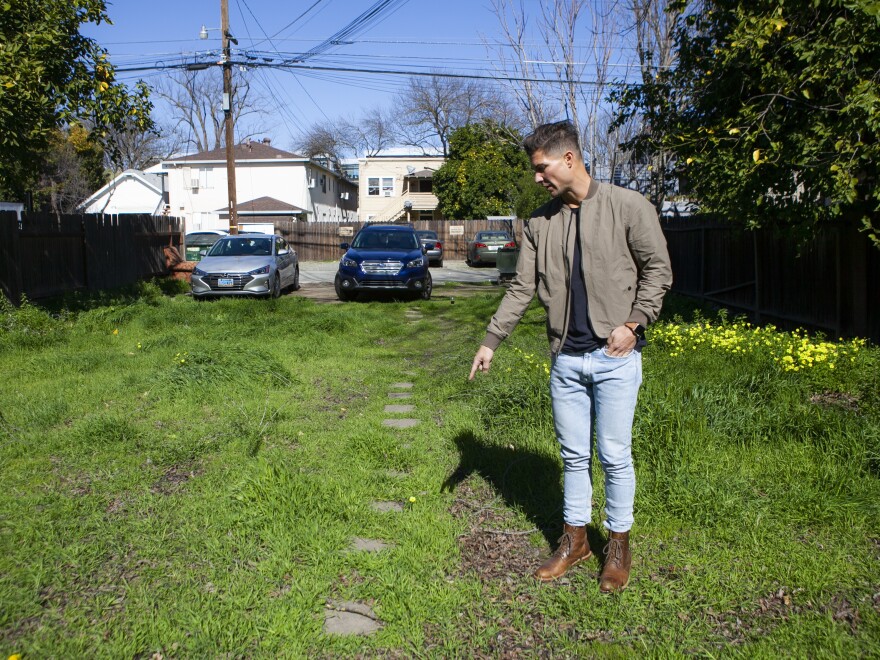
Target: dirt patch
503, 559
173, 479
829, 398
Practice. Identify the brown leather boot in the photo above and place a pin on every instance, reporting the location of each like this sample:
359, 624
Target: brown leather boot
618, 559
573, 548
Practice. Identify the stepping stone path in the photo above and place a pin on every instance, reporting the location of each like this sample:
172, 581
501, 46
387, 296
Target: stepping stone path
385, 507
399, 409
400, 423
350, 618
359, 544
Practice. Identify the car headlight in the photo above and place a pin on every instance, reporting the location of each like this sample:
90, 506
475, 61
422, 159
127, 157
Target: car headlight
416, 263
348, 262
198, 271
260, 271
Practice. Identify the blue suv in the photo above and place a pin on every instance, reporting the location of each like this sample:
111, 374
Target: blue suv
384, 258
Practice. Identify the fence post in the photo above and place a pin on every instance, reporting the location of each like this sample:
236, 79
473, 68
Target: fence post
10, 268
757, 258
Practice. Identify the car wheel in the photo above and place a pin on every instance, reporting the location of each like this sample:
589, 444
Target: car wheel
426, 288
342, 294
295, 285
275, 288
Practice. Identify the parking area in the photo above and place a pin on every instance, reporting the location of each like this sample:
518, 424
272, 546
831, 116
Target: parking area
316, 279
316, 272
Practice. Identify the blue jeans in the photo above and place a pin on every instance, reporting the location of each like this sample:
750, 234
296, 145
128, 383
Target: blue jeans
594, 389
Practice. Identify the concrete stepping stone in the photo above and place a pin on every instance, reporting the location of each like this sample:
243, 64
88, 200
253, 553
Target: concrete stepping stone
359, 544
399, 409
402, 386
387, 507
400, 423
400, 395
350, 618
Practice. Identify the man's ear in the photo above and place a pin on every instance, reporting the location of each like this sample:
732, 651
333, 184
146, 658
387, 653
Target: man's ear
569, 159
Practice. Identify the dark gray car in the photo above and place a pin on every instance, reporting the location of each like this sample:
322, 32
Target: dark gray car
433, 246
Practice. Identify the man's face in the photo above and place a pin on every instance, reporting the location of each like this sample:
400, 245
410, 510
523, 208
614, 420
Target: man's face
552, 172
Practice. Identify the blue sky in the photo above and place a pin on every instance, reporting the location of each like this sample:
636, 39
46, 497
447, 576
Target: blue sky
446, 35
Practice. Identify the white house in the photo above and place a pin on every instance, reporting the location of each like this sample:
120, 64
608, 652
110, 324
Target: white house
132, 191
269, 183
397, 185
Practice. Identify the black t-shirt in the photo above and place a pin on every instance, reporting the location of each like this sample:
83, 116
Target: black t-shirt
580, 337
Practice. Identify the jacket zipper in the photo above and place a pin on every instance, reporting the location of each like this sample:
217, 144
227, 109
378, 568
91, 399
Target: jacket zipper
566, 261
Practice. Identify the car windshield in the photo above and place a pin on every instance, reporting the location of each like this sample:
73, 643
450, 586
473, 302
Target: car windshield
493, 236
241, 247
386, 240
432, 235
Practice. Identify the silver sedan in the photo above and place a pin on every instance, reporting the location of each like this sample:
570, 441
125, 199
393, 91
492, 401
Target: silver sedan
246, 265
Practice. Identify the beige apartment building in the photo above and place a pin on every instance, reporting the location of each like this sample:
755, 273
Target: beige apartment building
396, 186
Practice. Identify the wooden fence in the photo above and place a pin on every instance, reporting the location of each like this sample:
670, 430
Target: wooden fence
829, 283
319, 241
45, 255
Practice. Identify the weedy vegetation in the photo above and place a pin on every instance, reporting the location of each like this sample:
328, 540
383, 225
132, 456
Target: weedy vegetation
185, 479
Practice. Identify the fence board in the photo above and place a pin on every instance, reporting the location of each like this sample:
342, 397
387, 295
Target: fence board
47, 255
319, 241
825, 284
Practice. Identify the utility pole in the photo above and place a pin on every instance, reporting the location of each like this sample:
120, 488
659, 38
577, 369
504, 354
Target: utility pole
227, 112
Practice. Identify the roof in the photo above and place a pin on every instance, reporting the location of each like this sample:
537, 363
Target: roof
421, 174
151, 181
241, 152
264, 206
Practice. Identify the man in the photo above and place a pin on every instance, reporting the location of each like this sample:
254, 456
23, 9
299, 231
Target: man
597, 259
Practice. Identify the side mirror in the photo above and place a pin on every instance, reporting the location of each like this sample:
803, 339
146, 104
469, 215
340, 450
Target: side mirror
424, 249
344, 246
281, 253
203, 253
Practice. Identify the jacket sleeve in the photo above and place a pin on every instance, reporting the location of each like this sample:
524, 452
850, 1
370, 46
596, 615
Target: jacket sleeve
518, 297
647, 245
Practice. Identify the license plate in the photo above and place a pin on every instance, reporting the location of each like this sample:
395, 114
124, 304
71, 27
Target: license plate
493, 248
225, 281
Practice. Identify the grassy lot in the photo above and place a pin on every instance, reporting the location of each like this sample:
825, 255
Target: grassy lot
185, 479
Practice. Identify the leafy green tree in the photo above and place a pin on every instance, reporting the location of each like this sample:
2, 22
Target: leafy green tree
772, 111
487, 173
73, 168
50, 77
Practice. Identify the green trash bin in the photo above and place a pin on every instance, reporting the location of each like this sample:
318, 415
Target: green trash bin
506, 263
192, 253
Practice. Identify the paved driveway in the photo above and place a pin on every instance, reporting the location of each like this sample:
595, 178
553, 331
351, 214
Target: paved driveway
316, 278
315, 272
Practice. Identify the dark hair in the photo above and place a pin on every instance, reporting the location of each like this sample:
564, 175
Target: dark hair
555, 139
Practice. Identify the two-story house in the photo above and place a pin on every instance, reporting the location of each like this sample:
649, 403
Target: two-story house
397, 185
270, 184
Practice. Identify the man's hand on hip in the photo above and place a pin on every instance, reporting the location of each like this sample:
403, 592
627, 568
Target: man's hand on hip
621, 342
482, 361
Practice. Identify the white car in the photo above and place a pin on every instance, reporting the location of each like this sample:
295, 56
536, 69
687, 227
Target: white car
246, 265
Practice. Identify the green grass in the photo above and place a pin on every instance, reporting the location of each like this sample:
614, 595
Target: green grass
185, 478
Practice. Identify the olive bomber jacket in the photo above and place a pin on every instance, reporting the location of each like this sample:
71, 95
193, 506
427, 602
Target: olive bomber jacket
625, 263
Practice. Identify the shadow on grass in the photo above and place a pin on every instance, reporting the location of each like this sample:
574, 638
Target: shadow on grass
150, 291
526, 480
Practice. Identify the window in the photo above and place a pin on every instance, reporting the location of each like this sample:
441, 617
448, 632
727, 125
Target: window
380, 187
